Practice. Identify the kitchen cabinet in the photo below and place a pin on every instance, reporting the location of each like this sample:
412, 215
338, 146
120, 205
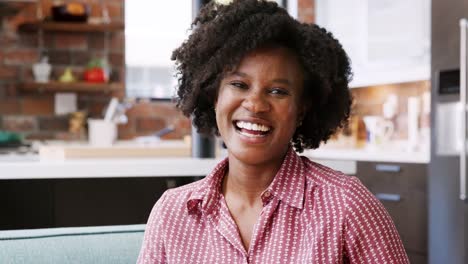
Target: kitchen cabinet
401, 187
44, 203
387, 41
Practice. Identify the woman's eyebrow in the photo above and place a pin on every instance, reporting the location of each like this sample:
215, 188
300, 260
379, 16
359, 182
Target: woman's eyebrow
283, 81
240, 74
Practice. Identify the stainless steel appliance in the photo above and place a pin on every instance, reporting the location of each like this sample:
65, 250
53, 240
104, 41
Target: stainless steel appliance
448, 205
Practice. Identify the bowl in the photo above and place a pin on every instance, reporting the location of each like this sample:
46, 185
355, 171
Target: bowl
70, 12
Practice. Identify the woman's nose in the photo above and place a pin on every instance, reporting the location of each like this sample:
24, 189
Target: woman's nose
256, 102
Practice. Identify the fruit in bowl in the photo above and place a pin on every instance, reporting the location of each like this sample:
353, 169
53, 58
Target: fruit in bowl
70, 12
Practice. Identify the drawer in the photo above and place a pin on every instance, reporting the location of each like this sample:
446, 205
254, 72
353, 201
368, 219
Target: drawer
402, 190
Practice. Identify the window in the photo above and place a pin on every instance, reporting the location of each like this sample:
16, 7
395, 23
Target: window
153, 29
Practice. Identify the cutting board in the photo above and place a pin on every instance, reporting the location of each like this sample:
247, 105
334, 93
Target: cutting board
121, 149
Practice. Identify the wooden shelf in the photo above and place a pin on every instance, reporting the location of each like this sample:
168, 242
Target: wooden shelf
79, 87
72, 27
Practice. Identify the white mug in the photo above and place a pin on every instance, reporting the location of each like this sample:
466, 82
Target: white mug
101, 132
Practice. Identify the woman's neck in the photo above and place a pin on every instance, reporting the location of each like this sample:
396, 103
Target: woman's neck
246, 181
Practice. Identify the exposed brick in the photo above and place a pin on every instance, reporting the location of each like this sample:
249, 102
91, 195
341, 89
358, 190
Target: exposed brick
71, 41
27, 73
159, 109
28, 40
21, 56
96, 41
115, 11
149, 124
305, 4
127, 131
182, 127
46, 7
62, 57
116, 59
40, 135
69, 136
10, 106
126, 136
117, 41
96, 108
53, 123
8, 73
307, 15
80, 58
96, 10
7, 40
7, 89
306, 11
37, 105
165, 109
19, 123
140, 109
49, 39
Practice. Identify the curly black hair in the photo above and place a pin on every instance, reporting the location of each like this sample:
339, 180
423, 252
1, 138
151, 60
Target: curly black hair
223, 34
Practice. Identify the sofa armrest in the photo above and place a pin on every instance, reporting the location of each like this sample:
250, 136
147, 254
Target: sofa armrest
96, 244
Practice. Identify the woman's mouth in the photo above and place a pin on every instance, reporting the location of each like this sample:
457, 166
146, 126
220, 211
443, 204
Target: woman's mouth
251, 129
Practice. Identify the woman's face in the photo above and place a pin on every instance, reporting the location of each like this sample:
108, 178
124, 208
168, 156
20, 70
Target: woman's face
259, 104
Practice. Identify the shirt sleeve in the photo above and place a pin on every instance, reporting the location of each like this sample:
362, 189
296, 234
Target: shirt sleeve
370, 234
152, 249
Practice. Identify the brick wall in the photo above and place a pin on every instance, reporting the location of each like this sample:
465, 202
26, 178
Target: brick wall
32, 114
306, 10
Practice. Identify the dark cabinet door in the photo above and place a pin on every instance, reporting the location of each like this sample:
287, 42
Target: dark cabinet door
47, 203
402, 190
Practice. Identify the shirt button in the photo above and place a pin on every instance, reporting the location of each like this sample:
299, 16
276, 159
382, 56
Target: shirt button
267, 194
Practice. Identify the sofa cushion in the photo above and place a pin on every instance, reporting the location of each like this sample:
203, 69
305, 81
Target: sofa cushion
97, 244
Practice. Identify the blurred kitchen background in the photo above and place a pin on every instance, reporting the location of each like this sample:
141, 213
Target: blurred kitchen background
65, 62
390, 68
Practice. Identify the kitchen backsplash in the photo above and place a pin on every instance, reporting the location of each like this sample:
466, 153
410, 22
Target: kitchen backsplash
370, 101
32, 114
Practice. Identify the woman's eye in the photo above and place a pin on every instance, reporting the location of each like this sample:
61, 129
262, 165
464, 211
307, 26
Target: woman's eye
279, 91
239, 85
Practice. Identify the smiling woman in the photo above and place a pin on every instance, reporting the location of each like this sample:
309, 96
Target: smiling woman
270, 87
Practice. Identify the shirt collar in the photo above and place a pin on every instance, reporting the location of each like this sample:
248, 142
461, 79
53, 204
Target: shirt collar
206, 195
288, 185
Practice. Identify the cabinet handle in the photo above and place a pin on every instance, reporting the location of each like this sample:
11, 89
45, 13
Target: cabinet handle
387, 168
388, 197
463, 26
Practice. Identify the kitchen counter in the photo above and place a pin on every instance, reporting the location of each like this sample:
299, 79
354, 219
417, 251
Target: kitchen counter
368, 155
29, 167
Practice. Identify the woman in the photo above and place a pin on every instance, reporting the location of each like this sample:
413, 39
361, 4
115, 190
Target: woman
269, 86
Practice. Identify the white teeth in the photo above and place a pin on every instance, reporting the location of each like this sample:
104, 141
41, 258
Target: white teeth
252, 126
250, 135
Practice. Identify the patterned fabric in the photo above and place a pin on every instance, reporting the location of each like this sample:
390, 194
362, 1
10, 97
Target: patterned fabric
311, 214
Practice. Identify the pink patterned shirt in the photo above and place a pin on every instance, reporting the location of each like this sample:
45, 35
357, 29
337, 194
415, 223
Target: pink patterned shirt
311, 214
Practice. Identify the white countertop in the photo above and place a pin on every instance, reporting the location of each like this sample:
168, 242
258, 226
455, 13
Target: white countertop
369, 155
29, 167
16, 166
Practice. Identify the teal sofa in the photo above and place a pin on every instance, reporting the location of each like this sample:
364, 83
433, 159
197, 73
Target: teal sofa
97, 244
